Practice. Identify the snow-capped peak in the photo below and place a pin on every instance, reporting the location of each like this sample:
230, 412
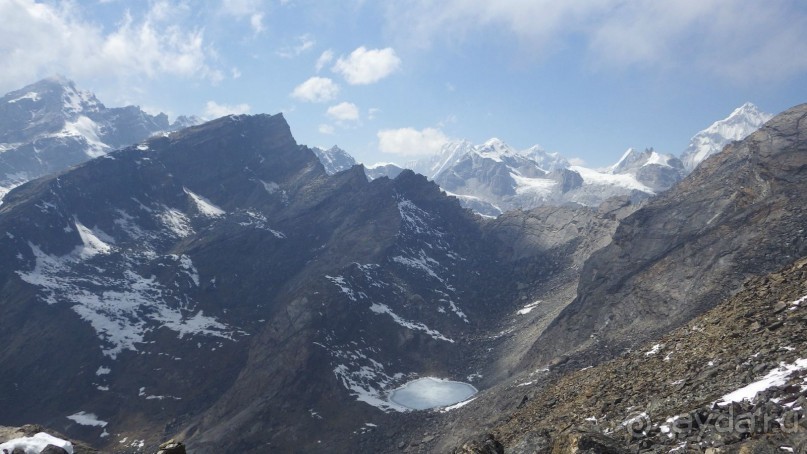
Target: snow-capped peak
495, 149
334, 159
738, 125
77, 101
658, 159
628, 157
548, 161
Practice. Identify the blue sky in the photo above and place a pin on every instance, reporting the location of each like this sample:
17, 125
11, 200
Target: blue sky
393, 80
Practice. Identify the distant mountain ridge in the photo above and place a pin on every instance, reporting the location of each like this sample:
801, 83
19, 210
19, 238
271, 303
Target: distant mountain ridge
493, 177
50, 125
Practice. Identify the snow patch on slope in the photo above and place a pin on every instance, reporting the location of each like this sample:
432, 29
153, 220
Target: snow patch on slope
593, 177
84, 127
205, 207
176, 221
120, 305
414, 326
87, 419
33, 96
535, 186
93, 245
776, 377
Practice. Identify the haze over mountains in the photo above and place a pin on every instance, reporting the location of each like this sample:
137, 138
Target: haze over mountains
226, 286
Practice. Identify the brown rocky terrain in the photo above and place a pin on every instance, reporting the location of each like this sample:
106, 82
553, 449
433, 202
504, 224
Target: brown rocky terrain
661, 397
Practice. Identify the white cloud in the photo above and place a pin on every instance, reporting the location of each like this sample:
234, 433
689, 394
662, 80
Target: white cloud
366, 66
251, 10
739, 40
216, 110
316, 89
324, 58
304, 43
256, 22
372, 112
344, 112
421, 22
744, 41
326, 129
577, 162
410, 141
40, 39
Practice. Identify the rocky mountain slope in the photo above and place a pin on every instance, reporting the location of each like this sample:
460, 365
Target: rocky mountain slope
50, 125
738, 215
730, 380
676, 257
266, 299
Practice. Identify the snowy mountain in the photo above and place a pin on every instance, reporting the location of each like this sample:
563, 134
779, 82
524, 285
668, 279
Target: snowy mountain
742, 122
493, 177
654, 170
334, 159
50, 125
383, 169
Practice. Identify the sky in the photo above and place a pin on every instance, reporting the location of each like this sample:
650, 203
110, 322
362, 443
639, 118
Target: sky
393, 80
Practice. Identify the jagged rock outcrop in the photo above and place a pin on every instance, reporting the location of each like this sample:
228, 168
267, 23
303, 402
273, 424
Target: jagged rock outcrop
738, 215
172, 447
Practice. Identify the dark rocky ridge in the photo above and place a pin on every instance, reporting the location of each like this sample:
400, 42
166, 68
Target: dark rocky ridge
739, 214
256, 290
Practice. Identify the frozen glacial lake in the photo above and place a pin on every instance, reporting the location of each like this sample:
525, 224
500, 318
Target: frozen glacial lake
430, 392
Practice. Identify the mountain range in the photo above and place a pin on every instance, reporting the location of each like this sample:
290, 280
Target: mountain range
242, 284
493, 177
223, 286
